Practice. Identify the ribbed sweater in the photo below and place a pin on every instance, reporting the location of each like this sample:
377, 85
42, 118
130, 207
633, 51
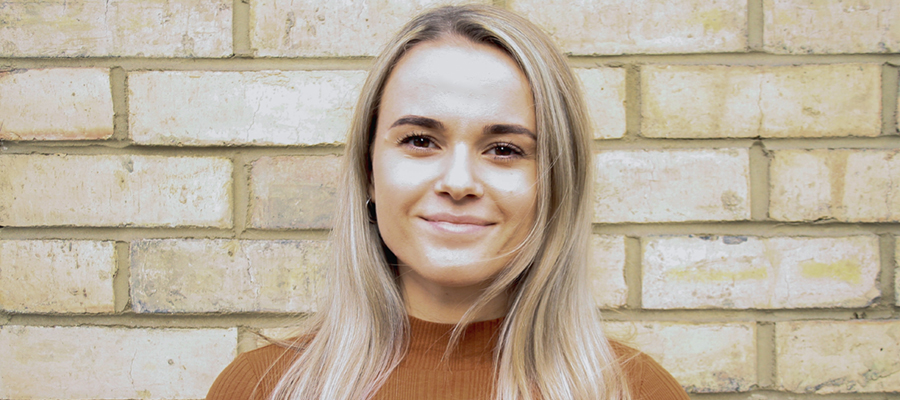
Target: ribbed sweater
422, 374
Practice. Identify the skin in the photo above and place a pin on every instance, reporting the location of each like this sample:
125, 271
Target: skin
454, 173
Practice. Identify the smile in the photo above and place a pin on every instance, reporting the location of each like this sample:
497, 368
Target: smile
457, 224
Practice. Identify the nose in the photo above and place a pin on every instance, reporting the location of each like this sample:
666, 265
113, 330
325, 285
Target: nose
459, 178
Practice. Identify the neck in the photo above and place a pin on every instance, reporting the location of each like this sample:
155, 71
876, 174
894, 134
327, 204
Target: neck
435, 303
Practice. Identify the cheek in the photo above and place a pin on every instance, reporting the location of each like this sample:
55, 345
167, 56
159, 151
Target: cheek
395, 178
515, 190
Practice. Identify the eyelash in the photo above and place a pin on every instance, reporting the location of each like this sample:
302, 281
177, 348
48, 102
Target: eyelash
409, 138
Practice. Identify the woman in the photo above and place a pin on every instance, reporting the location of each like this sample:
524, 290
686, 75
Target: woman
462, 243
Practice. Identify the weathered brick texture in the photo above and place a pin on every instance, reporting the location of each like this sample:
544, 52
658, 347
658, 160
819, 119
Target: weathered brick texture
115, 28
57, 276
111, 363
311, 28
604, 93
761, 101
60, 190
242, 108
811, 26
838, 357
702, 357
293, 192
169, 172
672, 185
194, 275
607, 270
640, 26
751, 272
56, 104
839, 184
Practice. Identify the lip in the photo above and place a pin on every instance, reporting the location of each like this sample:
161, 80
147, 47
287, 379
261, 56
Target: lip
449, 223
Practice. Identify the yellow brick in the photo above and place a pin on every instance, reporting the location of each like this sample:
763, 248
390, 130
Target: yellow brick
761, 101
640, 26
77, 190
115, 28
313, 28
672, 185
293, 192
195, 275
56, 104
844, 185
760, 273
242, 108
838, 356
703, 358
814, 26
607, 270
604, 93
111, 363
57, 276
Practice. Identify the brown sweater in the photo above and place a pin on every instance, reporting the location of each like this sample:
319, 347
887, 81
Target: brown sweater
466, 374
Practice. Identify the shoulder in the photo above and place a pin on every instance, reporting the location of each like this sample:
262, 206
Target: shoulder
646, 378
254, 374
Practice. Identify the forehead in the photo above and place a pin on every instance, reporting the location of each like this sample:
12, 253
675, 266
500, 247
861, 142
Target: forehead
460, 78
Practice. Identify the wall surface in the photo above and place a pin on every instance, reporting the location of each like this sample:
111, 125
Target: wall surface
168, 170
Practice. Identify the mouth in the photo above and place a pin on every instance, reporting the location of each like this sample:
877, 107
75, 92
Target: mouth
457, 223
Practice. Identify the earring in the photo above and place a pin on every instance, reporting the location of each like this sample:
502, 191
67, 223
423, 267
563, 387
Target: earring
370, 207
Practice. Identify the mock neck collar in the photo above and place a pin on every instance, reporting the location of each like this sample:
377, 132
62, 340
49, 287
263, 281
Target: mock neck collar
429, 340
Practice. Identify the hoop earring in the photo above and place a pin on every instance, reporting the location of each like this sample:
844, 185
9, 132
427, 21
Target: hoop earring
370, 208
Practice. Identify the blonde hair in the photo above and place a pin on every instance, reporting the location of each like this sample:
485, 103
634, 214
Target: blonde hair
551, 344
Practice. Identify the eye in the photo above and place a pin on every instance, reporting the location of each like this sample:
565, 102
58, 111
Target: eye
417, 141
505, 150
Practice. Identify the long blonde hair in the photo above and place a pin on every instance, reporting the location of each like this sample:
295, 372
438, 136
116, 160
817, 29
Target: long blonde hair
551, 344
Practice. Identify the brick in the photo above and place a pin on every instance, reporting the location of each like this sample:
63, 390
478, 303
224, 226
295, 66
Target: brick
640, 26
604, 93
761, 101
763, 273
76, 190
57, 276
854, 185
607, 270
195, 275
111, 363
115, 28
265, 336
242, 108
293, 192
672, 185
703, 358
56, 104
809, 26
312, 28
838, 356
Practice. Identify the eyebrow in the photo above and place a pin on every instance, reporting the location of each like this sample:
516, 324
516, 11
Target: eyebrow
431, 123
424, 122
509, 128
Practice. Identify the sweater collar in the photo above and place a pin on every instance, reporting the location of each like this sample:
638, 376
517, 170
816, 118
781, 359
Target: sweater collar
429, 340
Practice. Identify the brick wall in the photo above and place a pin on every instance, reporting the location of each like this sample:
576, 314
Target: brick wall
167, 171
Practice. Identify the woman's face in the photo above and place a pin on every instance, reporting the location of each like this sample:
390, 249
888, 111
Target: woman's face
453, 164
